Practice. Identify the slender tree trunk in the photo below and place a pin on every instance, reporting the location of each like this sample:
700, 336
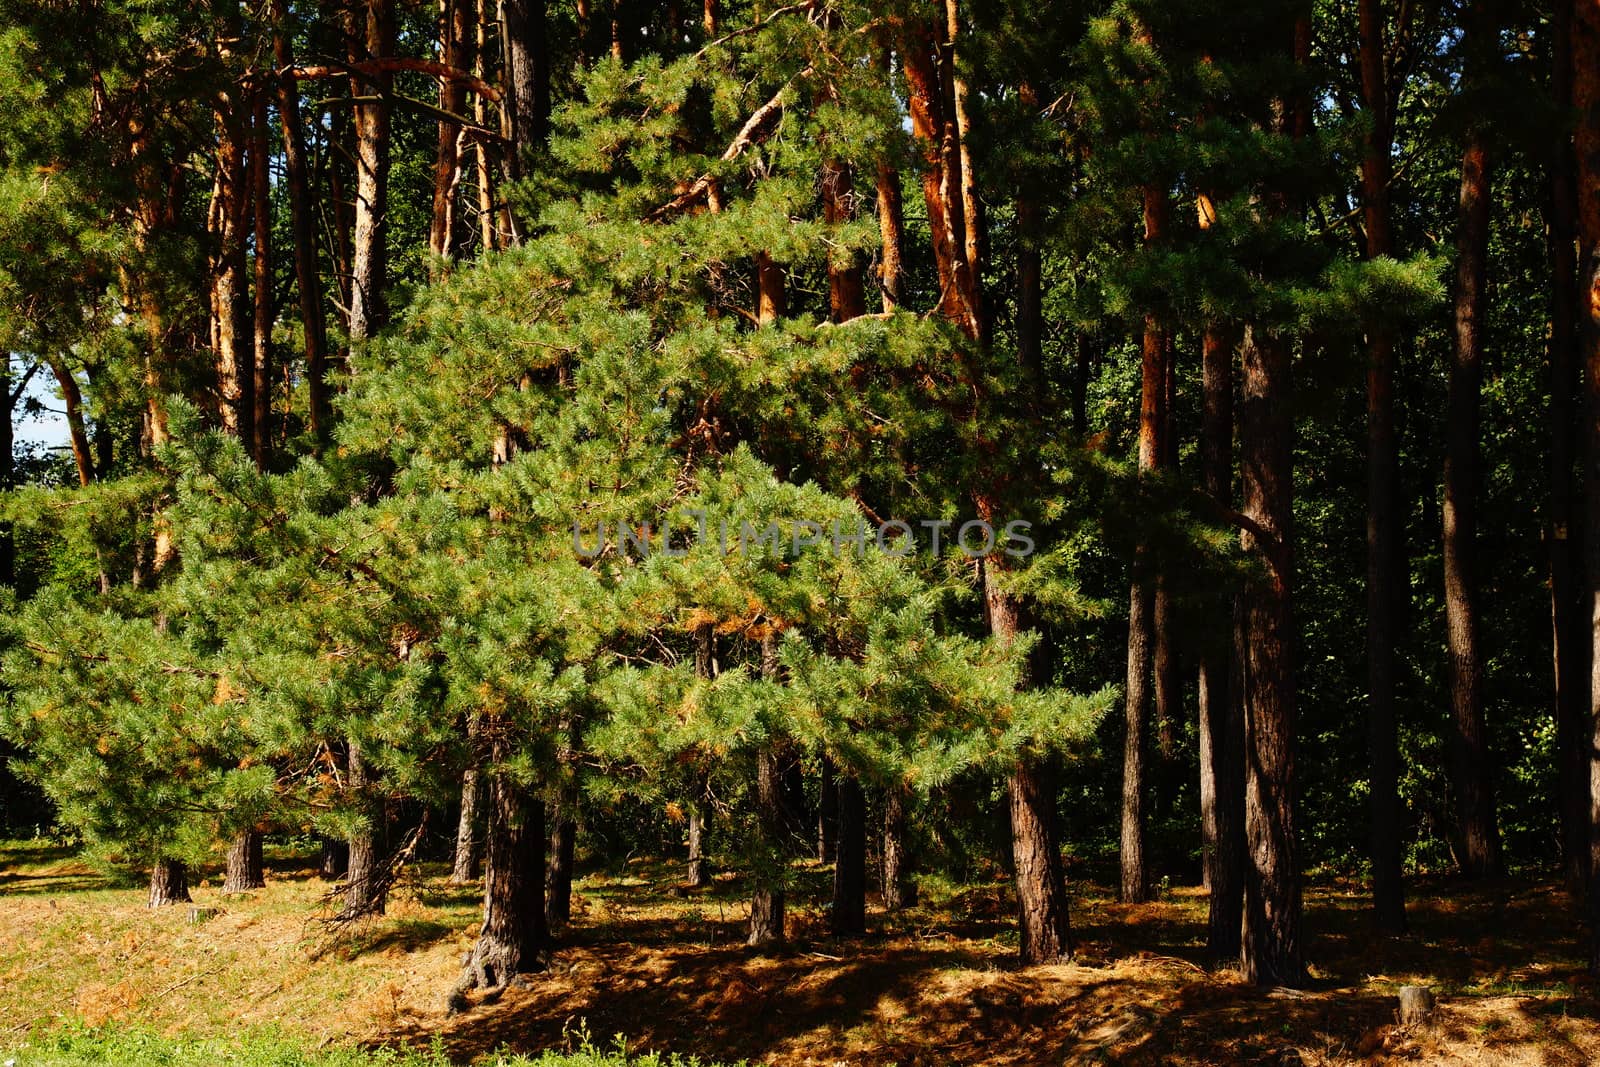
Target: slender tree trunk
850, 862
370, 244
1141, 598
72, 401
363, 895
527, 73
261, 365
1271, 948
169, 884
513, 932
484, 165
767, 898
891, 231
469, 845
1470, 763
297, 187
455, 50
705, 668
1221, 721
245, 867
1586, 102
899, 887
935, 132
230, 339
846, 296
1386, 567
1564, 529
558, 871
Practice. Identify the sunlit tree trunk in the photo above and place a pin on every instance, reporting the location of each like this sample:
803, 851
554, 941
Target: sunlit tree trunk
245, 867
369, 263
169, 884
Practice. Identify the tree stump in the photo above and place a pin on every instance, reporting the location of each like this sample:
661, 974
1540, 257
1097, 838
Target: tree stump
1416, 1005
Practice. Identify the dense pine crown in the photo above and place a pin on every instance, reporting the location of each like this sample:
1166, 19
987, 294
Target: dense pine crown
433, 377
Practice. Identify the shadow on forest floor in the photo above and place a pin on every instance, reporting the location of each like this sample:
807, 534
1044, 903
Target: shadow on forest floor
938, 985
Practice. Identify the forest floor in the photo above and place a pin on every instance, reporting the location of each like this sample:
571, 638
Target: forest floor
666, 968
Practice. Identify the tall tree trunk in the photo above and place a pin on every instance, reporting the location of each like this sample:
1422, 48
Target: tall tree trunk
234, 359
527, 74
370, 243
935, 132
767, 898
1586, 102
363, 893
455, 50
899, 887
1386, 570
1221, 721
558, 870
1570, 644
513, 931
1153, 425
245, 867
302, 227
483, 163
1471, 768
850, 862
1271, 950
169, 884
469, 845
261, 199
1045, 927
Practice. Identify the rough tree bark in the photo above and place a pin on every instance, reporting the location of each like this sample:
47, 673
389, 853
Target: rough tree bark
169, 884
1386, 569
230, 340
245, 867
846, 295
364, 858
558, 871
850, 861
1270, 936
513, 933
455, 50
469, 845
899, 887
1471, 769
369, 263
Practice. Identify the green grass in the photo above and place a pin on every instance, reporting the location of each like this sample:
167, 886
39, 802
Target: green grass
116, 1047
